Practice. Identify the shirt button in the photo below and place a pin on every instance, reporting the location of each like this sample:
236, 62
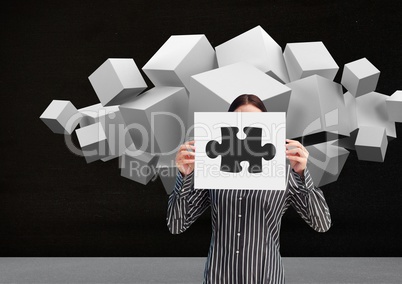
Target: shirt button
237, 251
239, 216
240, 198
238, 234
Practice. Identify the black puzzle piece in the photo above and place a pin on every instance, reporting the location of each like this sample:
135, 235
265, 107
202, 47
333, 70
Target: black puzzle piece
234, 150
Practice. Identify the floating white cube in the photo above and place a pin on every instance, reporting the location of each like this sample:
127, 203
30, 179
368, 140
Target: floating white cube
360, 77
304, 59
117, 80
179, 58
371, 143
113, 125
93, 142
61, 117
156, 121
258, 48
394, 106
138, 166
325, 162
316, 106
215, 90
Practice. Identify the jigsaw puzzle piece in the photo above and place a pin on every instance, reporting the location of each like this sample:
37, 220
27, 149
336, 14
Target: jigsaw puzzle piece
234, 151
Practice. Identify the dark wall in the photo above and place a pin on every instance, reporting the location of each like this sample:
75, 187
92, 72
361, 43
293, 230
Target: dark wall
54, 204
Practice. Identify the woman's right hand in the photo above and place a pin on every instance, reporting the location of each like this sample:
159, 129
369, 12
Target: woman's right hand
185, 157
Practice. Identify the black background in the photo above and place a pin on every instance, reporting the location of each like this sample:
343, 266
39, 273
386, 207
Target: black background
54, 204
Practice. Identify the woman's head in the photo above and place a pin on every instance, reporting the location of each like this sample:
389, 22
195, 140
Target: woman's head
247, 103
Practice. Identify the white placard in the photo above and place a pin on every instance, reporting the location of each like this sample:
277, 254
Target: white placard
208, 173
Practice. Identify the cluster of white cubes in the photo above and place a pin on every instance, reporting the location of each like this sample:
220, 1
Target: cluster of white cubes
372, 115
144, 128
113, 126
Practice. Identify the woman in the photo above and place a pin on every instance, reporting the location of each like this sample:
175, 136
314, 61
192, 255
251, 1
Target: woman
246, 223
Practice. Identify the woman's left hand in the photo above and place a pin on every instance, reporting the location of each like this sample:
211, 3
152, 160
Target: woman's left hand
297, 155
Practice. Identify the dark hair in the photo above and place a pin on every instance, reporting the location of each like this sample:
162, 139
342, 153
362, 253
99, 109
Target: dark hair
247, 99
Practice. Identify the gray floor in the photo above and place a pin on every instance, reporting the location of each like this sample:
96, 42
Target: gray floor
190, 270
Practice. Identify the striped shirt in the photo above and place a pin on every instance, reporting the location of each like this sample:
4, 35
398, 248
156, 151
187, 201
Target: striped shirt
244, 244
